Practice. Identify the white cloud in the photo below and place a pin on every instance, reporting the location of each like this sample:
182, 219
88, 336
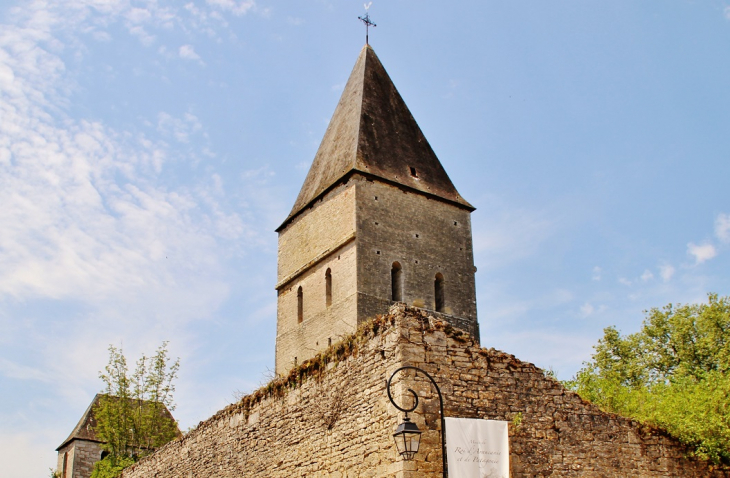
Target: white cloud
237, 8
701, 252
138, 15
179, 128
587, 309
666, 271
144, 37
187, 52
596, 273
624, 281
646, 275
84, 221
722, 226
81, 219
97, 244
102, 36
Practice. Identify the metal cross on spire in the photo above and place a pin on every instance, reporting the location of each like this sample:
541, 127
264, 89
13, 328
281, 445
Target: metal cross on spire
366, 20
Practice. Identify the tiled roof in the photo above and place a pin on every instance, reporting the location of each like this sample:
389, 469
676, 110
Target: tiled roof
373, 132
85, 429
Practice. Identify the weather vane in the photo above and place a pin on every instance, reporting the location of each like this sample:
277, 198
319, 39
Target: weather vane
366, 20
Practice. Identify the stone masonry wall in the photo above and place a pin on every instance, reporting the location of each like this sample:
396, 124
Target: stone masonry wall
317, 229
82, 454
337, 425
358, 230
339, 422
426, 236
319, 238
295, 341
559, 434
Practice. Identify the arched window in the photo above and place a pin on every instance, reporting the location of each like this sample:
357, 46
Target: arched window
300, 305
438, 286
396, 282
328, 287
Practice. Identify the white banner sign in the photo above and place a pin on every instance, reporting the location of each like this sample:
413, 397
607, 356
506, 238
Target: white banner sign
477, 448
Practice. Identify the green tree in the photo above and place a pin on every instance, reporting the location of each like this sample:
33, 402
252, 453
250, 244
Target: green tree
106, 468
132, 417
674, 373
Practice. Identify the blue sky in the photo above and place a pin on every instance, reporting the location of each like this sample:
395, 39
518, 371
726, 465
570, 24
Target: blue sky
149, 148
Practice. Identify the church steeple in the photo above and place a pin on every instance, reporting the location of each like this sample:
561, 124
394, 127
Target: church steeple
377, 221
373, 132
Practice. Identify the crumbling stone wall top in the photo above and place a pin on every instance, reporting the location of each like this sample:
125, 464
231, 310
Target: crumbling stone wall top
331, 417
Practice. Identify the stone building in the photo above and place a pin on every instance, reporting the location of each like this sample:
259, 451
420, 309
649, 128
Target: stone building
331, 417
377, 221
378, 228
78, 453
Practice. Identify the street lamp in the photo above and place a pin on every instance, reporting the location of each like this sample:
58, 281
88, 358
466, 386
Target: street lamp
407, 436
407, 439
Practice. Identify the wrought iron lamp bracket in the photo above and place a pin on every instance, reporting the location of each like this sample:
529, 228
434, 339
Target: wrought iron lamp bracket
408, 410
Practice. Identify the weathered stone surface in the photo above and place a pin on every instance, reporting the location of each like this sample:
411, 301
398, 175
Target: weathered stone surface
340, 423
425, 237
357, 232
328, 227
76, 458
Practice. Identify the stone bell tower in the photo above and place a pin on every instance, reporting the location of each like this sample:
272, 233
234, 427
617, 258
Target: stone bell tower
377, 221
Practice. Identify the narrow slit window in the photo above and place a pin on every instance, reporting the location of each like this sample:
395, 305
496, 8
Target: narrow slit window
414, 173
439, 292
300, 305
328, 287
396, 281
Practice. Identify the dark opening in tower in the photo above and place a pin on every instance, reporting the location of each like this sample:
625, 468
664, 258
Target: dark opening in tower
300, 305
396, 282
439, 292
328, 287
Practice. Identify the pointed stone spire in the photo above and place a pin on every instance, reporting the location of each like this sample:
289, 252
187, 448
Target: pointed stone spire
373, 132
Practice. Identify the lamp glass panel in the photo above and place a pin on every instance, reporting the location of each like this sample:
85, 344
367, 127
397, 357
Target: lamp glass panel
407, 440
412, 442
